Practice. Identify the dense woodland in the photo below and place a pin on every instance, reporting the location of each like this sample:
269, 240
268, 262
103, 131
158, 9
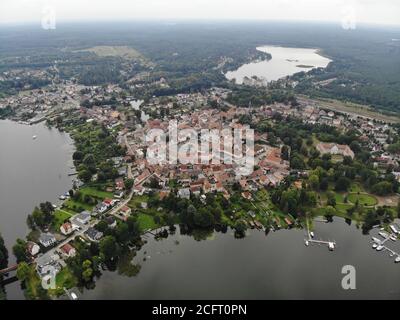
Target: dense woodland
190, 56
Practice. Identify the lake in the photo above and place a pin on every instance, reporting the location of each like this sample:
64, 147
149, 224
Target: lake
273, 266
285, 62
276, 266
31, 171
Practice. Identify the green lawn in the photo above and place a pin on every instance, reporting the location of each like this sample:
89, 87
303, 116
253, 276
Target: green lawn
76, 206
146, 222
59, 217
93, 192
364, 199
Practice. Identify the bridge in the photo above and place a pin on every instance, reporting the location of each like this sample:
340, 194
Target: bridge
9, 269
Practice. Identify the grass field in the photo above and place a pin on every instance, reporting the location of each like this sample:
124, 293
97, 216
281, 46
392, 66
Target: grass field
119, 51
146, 222
363, 198
59, 217
93, 192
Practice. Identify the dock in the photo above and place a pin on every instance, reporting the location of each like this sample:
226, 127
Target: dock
310, 240
381, 243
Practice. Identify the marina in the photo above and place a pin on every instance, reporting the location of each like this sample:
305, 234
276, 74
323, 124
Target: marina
379, 245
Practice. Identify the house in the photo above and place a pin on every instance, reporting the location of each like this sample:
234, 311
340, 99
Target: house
47, 239
83, 217
32, 248
111, 221
101, 208
184, 193
125, 211
93, 234
119, 184
119, 194
108, 202
68, 250
335, 149
66, 228
246, 195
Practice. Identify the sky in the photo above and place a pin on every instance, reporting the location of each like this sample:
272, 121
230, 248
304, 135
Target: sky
340, 11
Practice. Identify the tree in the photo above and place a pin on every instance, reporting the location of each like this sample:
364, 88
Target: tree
38, 217
240, 228
108, 247
3, 254
314, 182
382, 188
23, 271
128, 183
203, 218
331, 199
285, 152
342, 184
19, 250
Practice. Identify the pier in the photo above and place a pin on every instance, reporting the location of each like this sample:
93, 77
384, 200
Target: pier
331, 244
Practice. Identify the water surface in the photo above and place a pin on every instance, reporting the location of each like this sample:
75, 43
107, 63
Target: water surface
285, 62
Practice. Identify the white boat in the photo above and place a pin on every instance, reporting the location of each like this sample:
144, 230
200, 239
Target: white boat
34, 137
393, 237
374, 246
63, 197
383, 234
312, 234
397, 260
331, 246
306, 243
376, 240
379, 248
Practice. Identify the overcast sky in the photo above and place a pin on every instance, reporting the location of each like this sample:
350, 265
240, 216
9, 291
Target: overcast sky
363, 11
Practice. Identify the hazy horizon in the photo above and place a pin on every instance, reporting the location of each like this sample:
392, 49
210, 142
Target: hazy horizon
384, 12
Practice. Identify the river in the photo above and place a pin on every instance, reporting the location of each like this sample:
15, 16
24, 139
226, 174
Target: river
31, 171
285, 62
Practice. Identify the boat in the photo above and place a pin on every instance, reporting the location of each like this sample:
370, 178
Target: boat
306, 243
376, 240
383, 234
393, 237
34, 137
374, 246
312, 234
391, 254
379, 248
397, 260
63, 198
331, 246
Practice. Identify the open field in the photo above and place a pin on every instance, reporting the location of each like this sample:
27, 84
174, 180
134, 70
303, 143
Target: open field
125, 52
349, 108
363, 198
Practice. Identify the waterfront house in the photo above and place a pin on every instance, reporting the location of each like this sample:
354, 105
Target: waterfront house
32, 248
47, 239
83, 217
66, 228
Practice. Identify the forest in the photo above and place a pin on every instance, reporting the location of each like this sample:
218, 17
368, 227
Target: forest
195, 55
